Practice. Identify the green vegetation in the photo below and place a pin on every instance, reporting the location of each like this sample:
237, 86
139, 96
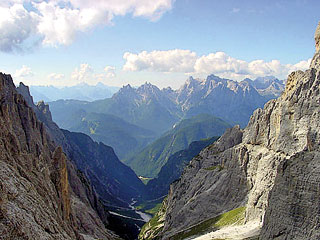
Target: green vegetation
235, 216
173, 168
253, 238
154, 210
151, 207
150, 160
219, 167
156, 223
145, 180
125, 138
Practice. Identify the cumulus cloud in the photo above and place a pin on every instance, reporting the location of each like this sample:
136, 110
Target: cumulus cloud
161, 61
16, 25
219, 63
110, 71
58, 21
83, 73
56, 76
23, 72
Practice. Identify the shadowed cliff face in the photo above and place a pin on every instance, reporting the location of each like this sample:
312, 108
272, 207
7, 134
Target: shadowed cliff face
32, 204
95, 173
115, 183
36, 201
272, 169
60, 179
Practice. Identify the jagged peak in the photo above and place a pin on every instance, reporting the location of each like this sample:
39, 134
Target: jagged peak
168, 89
44, 109
25, 92
213, 80
148, 85
128, 86
125, 89
6, 81
213, 77
148, 89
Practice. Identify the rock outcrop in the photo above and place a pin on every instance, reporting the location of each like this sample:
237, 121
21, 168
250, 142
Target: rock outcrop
110, 177
96, 175
36, 198
270, 168
317, 38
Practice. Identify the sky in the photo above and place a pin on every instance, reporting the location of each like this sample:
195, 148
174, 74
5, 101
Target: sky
119, 42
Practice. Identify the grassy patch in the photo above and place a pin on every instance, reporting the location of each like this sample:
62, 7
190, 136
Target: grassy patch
155, 209
155, 225
235, 216
219, 167
145, 180
150, 207
253, 238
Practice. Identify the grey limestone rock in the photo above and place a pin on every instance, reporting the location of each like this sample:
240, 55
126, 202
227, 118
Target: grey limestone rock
317, 38
271, 167
36, 197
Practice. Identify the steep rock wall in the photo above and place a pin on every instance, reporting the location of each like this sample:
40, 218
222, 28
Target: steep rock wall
36, 201
271, 169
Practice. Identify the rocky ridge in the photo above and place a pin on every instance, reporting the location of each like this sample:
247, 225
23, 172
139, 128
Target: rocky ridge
109, 184
37, 200
270, 168
96, 160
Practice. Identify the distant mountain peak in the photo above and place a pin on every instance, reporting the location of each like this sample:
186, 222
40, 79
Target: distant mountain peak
214, 77
149, 86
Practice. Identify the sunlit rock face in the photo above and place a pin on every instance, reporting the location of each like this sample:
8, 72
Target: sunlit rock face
271, 167
317, 38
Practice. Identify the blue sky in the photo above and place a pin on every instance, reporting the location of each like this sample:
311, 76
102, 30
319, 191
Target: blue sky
159, 41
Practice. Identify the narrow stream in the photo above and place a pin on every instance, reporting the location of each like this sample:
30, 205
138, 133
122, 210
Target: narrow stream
146, 217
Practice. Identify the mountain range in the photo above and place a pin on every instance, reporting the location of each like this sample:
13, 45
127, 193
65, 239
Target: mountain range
158, 110
80, 91
260, 182
149, 161
133, 119
173, 168
126, 138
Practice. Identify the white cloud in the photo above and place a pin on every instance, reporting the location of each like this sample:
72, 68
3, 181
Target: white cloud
83, 74
58, 21
110, 71
56, 76
161, 61
23, 72
16, 25
218, 63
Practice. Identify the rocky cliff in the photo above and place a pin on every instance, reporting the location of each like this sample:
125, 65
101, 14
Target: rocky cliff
109, 184
36, 198
269, 171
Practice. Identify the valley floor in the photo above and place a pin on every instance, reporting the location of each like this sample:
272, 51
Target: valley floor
234, 232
